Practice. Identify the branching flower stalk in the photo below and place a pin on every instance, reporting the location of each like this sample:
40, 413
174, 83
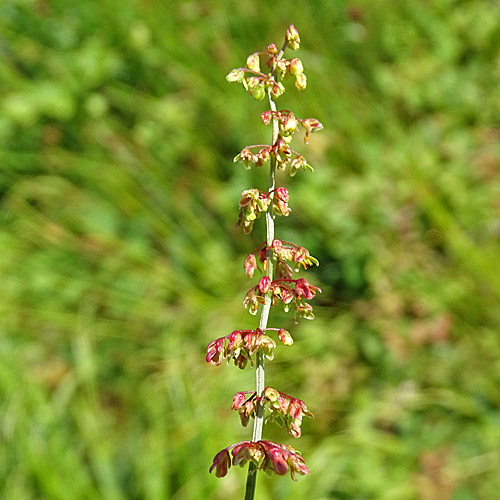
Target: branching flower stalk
277, 285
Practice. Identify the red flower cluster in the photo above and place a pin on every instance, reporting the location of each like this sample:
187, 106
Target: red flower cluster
248, 158
241, 345
292, 37
280, 199
282, 408
287, 123
253, 203
285, 155
282, 252
279, 259
259, 83
266, 455
310, 125
282, 292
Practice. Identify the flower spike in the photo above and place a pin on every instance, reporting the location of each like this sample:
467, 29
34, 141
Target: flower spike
265, 455
264, 77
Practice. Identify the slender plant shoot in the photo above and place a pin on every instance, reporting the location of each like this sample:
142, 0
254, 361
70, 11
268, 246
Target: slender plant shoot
264, 77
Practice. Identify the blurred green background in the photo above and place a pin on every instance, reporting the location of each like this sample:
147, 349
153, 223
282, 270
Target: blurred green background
119, 260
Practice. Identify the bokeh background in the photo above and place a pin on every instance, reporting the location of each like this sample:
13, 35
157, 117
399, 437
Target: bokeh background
119, 259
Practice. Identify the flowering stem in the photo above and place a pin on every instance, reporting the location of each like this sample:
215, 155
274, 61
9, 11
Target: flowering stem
242, 345
264, 316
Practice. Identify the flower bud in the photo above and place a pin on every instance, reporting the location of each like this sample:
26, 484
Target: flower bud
300, 81
267, 345
312, 124
289, 124
250, 340
287, 295
248, 408
250, 265
246, 411
250, 302
285, 337
296, 66
235, 341
272, 49
292, 37
215, 352
300, 254
253, 81
265, 284
236, 75
299, 467
295, 410
239, 400
305, 311
299, 161
287, 253
264, 154
282, 208
271, 394
253, 62
281, 67
277, 89
221, 463
282, 193
245, 156
280, 199
242, 454
304, 288
282, 149
261, 202
277, 245
278, 461
295, 429
266, 117
283, 403
258, 92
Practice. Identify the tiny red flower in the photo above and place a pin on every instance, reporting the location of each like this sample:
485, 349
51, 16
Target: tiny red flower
266, 117
309, 124
282, 193
221, 463
300, 82
250, 265
265, 284
305, 289
287, 295
296, 66
295, 410
292, 37
285, 337
278, 460
277, 246
215, 351
238, 400
272, 49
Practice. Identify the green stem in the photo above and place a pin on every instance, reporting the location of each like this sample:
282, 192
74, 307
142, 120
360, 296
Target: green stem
264, 316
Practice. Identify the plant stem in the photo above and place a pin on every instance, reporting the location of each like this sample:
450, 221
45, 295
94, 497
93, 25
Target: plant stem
264, 316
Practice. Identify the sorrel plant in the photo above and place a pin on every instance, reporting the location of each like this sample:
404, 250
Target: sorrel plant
277, 260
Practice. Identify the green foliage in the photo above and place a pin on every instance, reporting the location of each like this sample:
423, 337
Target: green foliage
117, 128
